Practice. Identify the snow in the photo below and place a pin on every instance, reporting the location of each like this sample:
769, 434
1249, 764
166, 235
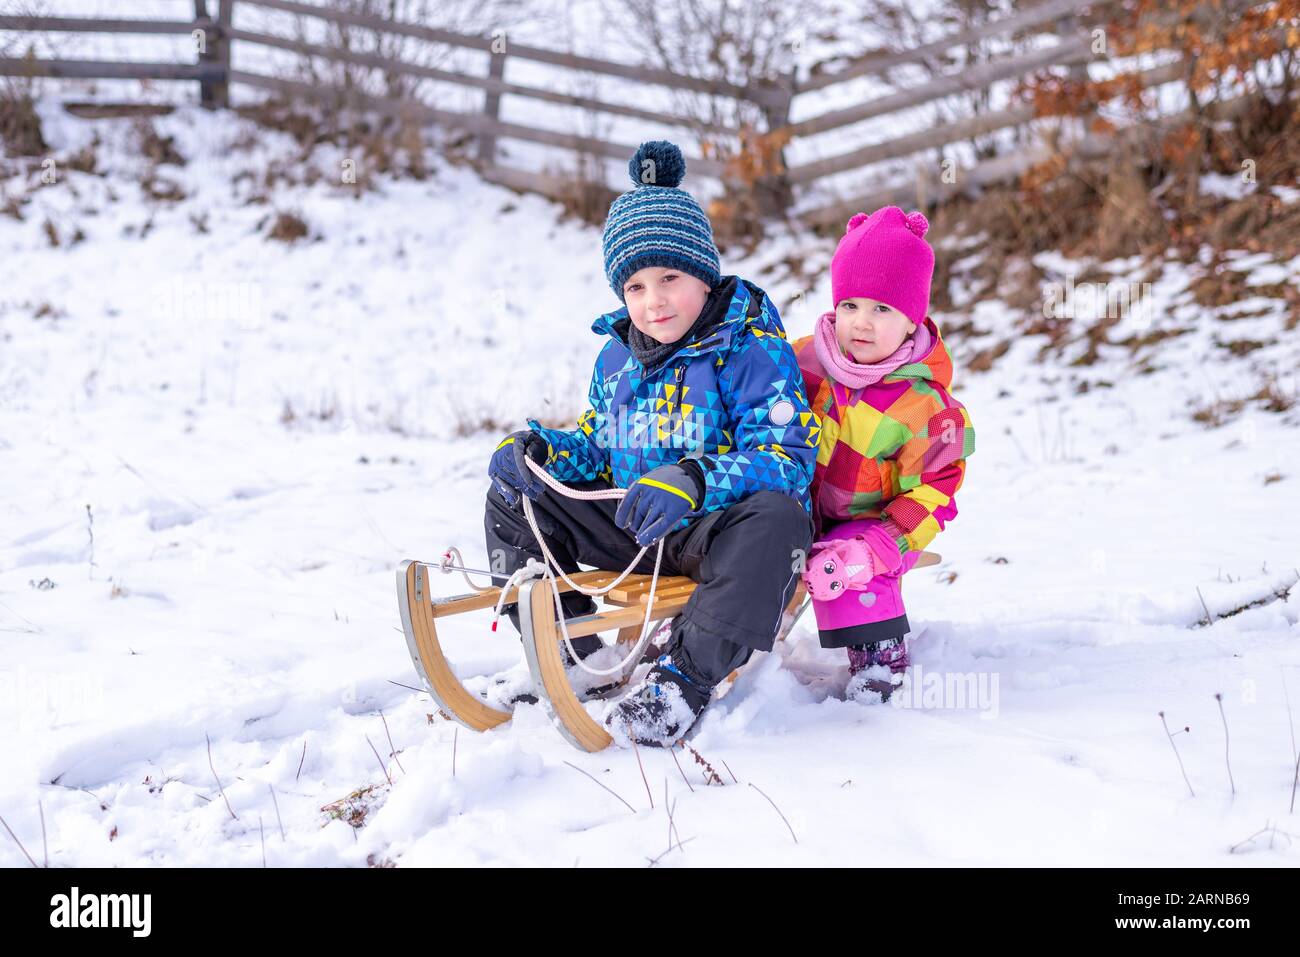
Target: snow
1226, 186
262, 432
1288, 194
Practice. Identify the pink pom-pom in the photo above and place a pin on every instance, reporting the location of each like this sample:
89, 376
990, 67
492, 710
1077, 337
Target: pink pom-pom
918, 224
856, 220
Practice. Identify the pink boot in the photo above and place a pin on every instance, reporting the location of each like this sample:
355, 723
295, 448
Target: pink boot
875, 670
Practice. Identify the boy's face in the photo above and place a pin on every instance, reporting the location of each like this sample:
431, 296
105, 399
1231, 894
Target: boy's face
664, 303
869, 331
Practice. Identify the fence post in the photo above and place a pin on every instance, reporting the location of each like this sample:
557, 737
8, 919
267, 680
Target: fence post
1078, 73
215, 53
206, 50
774, 193
215, 93
225, 20
487, 142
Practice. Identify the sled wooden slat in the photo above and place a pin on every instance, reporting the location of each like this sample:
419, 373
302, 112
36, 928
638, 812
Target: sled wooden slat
629, 617
633, 588
456, 604
667, 594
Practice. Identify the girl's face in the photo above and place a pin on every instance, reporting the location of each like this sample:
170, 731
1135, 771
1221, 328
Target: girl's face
869, 331
664, 303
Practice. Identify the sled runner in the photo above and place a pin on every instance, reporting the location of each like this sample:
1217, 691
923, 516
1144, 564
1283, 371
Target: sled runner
543, 640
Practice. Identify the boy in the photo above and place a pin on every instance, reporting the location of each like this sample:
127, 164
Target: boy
697, 408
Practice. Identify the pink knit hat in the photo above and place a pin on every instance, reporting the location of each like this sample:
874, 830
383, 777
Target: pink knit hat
885, 257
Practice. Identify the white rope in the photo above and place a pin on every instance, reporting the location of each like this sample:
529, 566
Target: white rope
551, 566
445, 566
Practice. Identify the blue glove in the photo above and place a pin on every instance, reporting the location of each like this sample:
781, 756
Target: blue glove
660, 499
509, 470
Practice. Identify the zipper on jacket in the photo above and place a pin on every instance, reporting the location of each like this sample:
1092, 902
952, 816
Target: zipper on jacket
676, 401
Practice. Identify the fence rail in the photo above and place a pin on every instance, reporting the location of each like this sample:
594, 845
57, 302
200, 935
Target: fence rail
88, 25
876, 64
558, 58
110, 70
772, 98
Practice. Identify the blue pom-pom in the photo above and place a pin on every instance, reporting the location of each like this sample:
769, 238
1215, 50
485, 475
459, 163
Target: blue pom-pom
669, 165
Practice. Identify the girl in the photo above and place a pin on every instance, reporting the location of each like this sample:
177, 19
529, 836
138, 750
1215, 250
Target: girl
893, 442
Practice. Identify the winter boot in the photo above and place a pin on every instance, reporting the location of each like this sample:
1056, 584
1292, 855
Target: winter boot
875, 670
659, 710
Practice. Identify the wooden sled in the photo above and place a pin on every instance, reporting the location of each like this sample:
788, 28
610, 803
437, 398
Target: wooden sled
542, 639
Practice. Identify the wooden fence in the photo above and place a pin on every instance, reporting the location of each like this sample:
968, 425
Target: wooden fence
772, 99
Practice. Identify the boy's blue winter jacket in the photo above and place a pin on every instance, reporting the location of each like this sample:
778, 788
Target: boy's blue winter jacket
733, 399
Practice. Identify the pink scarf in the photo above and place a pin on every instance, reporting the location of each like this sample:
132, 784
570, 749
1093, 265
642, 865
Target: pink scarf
844, 370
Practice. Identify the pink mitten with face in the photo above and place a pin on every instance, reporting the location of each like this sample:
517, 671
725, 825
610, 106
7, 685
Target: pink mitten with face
837, 566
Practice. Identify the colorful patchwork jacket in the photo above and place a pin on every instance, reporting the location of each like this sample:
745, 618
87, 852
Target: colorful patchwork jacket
734, 400
895, 450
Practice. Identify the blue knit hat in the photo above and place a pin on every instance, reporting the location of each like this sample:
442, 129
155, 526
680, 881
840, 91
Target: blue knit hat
658, 224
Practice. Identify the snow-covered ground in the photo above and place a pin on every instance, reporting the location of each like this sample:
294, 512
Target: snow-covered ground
215, 449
